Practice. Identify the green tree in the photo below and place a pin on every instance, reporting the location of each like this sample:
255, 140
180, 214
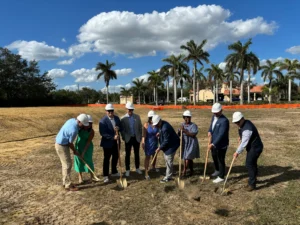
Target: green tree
240, 61
200, 77
107, 73
165, 74
155, 80
268, 71
292, 67
138, 87
231, 76
252, 65
125, 92
197, 55
215, 74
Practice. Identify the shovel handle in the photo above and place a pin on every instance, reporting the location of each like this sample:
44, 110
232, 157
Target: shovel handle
180, 153
228, 172
152, 161
88, 167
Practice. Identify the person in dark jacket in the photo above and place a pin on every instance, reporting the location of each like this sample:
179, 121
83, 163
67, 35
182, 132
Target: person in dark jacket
249, 138
218, 141
169, 142
108, 127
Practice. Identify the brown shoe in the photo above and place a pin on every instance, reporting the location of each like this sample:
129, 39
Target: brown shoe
72, 188
250, 188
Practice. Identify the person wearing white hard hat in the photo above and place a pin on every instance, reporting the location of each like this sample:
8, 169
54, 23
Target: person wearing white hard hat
169, 143
109, 126
132, 136
249, 138
64, 142
85, 147
218, 136
190, 144
150, 142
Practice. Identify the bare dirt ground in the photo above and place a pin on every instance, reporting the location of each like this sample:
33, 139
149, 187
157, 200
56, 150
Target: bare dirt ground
30, 176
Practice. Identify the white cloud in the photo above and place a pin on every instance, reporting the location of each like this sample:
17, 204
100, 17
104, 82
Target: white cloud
294, 50
142, 33
33, 50
57, 73
264, 61
115, 89
66, 62
124, 72
145, 77
78, 50
85, 75
74, 87
63, 40
222, 65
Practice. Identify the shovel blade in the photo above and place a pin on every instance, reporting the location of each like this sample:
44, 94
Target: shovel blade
119, 183
124, 183
180, 183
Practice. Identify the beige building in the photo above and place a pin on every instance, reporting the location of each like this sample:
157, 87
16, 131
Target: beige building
125, 99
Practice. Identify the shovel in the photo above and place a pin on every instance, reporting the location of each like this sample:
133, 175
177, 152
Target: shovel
122, 182
95, 177
206, 160
152, 161
180, 182
226, 191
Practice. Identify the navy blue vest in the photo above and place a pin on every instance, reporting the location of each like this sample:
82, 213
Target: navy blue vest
255, 142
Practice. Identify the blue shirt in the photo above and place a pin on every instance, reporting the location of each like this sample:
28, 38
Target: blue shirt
68, 132
131, 125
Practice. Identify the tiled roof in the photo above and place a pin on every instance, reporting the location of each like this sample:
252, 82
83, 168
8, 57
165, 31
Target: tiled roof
256, 89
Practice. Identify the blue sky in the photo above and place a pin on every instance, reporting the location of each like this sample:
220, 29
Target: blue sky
69, 37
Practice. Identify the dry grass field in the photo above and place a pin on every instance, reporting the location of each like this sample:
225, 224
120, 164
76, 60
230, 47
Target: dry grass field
30, 176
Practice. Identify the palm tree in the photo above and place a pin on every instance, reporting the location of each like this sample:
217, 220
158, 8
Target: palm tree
239, 61
183, 77
231, 76
125, 92
165, 73
254, 66
197, 55
155, 80
292, 67
216, 74
138, 87
267, 73
107, 72
199, 77
176, 64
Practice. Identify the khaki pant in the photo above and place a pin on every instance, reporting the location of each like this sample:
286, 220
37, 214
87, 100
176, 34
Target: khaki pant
65, 158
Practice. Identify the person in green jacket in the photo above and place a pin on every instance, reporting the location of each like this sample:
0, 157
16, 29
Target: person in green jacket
84, 146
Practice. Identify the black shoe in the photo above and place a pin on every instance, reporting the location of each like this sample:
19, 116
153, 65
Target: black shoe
250, 188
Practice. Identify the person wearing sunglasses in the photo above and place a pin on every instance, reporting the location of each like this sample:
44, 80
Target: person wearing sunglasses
218, 136
150, 142
248, 138
132, 136
190, 144
108, 127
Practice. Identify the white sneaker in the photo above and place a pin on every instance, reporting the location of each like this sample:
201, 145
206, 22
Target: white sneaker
218, 180
139, 171
157, 170
147, 177
115, 175
216, 173
106, 180
127, 173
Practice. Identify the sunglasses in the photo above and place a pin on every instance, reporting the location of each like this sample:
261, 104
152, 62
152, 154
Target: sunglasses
130, 110
237, 123
186, 117
110, 111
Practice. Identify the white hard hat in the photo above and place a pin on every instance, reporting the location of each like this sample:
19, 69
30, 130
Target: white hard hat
217, 107
109, 107
237, 116
151, 113
83, 119
90, 118
129, 105
187, 113
155, 120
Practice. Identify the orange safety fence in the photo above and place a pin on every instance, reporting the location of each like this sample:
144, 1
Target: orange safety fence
162, 107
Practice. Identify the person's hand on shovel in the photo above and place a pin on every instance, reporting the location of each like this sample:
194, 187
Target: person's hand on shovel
235, 155
157, 150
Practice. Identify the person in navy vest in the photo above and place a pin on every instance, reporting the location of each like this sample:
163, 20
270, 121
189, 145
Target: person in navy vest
169, 142
108, 127
249, 138
218, 141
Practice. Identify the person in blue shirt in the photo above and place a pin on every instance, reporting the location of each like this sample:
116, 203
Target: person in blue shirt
169, 142
64, 142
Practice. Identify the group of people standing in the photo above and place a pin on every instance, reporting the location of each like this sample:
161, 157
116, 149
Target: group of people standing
155, 135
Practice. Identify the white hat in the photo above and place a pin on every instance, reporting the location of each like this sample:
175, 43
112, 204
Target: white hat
217, 107
90, 118
187, 113
83, 119
109, 107
155, 120
129, 105
237, 116
151, 113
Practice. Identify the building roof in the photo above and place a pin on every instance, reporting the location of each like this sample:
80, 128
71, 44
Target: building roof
256, 89
234, 92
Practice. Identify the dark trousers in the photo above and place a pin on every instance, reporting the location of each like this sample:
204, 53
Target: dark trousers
136, 147
218, 156
108, 153
251, 164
